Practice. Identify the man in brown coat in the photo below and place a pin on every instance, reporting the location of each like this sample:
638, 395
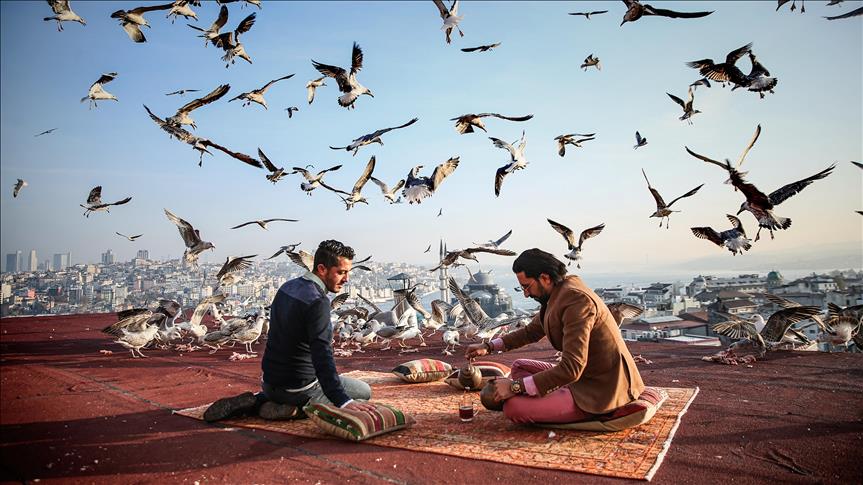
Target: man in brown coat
596, 373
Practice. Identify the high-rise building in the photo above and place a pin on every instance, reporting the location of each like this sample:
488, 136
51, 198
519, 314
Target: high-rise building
62, 261
11, 263
108, 257
20, 257
33, 263
143, 254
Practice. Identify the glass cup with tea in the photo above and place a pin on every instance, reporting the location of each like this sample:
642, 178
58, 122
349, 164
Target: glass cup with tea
466, 409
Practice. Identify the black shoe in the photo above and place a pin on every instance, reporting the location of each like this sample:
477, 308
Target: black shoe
230, 406
274, 411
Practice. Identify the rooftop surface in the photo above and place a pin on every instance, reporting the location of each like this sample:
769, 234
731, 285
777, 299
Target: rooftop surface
70, 413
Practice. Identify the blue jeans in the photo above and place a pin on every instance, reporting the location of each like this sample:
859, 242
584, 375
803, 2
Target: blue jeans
354, 388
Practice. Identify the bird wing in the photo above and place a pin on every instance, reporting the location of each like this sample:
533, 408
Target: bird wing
736, 54
356, 59
339, 300
726, 165
503, 238
736, 328
749, 146
384, 188
135, 317
381, 132
238, 155
302, 258
564, 231
267, 86
221, 20
141, 10
59, 6
690, 193
648, 10
204, 100
474, 312
589, 233
439, 310
736, 223
655, 193
638, 138
780, 195
622, 310
364, 178
415, 303
336, 167
677, 100
105, 78
846, 15
779, 322
337, 73
501, 252
120, 202
442, 171
278, 219
187, 232
509, 118
472, 49
370, 303
233, 265
779, 301
444, 12
245, 25
244, 224
266, 161
707, 233
501, 173
95, 196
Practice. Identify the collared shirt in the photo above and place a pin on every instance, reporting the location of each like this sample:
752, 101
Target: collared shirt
316, 280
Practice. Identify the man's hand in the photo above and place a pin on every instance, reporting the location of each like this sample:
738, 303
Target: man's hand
361, 406
502, 391
475, 350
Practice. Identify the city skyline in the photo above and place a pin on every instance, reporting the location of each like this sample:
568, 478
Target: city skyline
118, 147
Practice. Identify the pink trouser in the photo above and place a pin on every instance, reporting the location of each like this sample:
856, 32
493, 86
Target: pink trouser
555, 407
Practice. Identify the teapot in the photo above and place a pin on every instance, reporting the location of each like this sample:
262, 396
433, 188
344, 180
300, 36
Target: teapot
470, 377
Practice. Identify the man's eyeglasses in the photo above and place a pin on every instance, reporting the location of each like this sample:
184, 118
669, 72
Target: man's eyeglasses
525, 288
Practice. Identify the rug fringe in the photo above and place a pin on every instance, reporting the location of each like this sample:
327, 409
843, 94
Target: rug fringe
667, 444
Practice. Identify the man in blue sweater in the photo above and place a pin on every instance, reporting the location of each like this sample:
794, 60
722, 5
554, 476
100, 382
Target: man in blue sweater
298, 365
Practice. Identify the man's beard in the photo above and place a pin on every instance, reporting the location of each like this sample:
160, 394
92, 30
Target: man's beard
542, 299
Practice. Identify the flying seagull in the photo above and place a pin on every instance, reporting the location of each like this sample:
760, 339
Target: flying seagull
481, 48
211, 33
639, 141
285, 250
20, 184
257, 95
46, 132
688, 110
227, 274
230, 42
450, 18
256, 3
418, 188
517, 160
466, 123
758, 80
181, 7
130, 238
853, 13
427, 249
181, 92
591, 61
734, 239
701, 82
622, 310
291, 110
314, 181
96, 92
347, 81
495, 244
635, 10
312, 85
133, 20
725, 72
95, 204
588, 14
374, 137
780, 3
452, 257
569, 236
182, 116
191, 238
563, 140
774, 329
740, 160
276, 173
663, 210
63, 13
263, 223
355, 197
389, 193
440, 212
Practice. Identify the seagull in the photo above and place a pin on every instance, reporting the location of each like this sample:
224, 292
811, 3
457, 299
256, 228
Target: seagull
569, 236
263, 222
374, 137
275, 173
20, 184
95, 204
256, 3
347, 81
774, 329
688, 110
725, 72
63, 13
481, 48
663, 210
440, 212
588, 14
635, 10
284, 250
192, 239
230, 41
494, 244
312, 85
130, 238
355, 197
227, 275
427, 249
181, 7
780, 3
181, 117
46, 132
133, 20
563, 140
734, 239
466, 123
450, 18
389, 193
451, 257
622, 310
701, 82
96, 92
517, 160
257, 95
211, 33
591, 61
739, 160
290, 110
639, 141
843, 324
418, 188
314, 181
475, 314
758, 80
853, 13
181, 92
761, 205
302, 258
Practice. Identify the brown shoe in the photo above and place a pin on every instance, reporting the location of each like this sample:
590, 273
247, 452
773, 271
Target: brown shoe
230, 406
274, 411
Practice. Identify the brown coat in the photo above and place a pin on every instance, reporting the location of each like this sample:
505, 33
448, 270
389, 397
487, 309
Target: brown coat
595, 364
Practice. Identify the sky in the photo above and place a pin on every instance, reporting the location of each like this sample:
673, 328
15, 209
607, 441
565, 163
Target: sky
814, 119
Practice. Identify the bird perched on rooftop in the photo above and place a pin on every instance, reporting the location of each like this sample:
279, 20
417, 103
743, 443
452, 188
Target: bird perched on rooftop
451, 257
63, 13
130, 238
16, 188
587, 15
688, 110
314, 181
133, 20
639, 141
725, 72
347, 80
46, 132
733, 239
257, 95
481, 48
569, 236
95, 204
591, 61
563, 140
230, 41
495, 244
466, 123
229, 272
635, 10
622, 311
191, 238
419, 188
663, 210
182, 116
450, 18
263, 222
374, 137
758, 80
389, 193
517, 160
97, 92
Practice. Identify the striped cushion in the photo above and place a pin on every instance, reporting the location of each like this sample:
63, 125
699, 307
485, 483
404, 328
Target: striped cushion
490, 370
632, 414
423, 370
357, 425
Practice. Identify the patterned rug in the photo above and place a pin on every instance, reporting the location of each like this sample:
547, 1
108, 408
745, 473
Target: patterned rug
633, 453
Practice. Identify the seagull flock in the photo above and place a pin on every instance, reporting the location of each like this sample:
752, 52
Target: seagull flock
138, 328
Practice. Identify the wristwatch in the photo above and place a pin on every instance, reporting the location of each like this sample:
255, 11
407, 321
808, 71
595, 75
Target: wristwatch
516, 387
489, 347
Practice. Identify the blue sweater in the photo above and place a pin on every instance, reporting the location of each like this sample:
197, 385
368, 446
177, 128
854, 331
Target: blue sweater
299, 343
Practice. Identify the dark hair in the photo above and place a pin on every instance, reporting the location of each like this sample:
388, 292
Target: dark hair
534, 262
328, 253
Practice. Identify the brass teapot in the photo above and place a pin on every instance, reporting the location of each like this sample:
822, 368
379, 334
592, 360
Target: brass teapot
470, 377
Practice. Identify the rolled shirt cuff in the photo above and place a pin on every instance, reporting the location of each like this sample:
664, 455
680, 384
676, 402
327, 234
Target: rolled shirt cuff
530, 386
497, 344
351, 400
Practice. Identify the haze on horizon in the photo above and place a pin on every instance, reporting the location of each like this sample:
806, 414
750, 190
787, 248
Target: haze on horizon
813, 119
